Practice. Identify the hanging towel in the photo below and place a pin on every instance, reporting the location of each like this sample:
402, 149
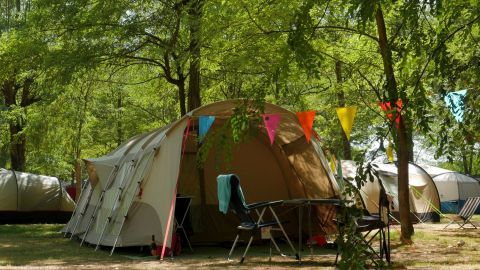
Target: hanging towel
224, 192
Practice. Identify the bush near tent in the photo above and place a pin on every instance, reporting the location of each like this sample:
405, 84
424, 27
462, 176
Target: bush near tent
29, 198
454, 188
424, 198
138, 180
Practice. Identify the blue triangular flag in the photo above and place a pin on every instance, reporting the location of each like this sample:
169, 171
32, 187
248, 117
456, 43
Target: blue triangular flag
205, 122
456, 103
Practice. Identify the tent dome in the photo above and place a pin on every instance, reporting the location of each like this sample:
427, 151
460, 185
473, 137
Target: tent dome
26, 197
138, 180
424, 199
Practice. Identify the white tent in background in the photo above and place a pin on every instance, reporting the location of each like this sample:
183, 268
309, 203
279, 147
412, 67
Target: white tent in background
454, 188
424, 199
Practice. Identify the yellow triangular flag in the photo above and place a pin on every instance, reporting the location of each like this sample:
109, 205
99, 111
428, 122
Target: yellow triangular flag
390, 151
347, 116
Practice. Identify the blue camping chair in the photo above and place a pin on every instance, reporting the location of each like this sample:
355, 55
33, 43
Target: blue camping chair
230, 196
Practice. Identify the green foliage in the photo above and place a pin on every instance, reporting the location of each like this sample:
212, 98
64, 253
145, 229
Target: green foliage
242, 126
104, 71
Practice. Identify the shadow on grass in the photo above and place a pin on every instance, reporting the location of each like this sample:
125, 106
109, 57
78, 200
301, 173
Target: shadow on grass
42, 244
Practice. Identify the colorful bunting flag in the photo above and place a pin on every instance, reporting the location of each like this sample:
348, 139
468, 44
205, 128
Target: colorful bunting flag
205, 122
347, 116
456, 103
388, 109
390, 151
306, 121
271, 123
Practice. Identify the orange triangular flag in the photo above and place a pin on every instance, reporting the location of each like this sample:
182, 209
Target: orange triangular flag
306, 121
347, 116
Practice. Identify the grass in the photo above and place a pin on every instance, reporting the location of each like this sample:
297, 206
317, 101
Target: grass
42, 246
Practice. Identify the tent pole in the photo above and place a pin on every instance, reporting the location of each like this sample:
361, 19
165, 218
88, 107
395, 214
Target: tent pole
82, 212
149, 165
125, 217
113, 174
111, 177
74, 211
121, 189
131, 172
430, 203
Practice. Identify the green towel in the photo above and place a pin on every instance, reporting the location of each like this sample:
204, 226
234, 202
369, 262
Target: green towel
223, 192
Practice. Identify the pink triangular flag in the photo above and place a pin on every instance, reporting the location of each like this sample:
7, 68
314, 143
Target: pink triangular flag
271, 123
306, 121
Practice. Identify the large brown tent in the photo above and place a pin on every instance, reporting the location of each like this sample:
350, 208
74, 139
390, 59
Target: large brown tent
138, 179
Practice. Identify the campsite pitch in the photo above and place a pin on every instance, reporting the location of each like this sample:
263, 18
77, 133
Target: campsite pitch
41, 246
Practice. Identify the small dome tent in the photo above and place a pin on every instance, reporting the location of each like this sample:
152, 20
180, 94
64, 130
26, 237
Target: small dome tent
131, 191
453, 187
424, 199
26, 197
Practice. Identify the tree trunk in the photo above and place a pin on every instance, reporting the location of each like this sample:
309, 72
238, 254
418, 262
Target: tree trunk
78, 142
465, 162
195, 14
78, 178
17, 150
181, 96
402, 138
347, 150
17, 146
119, 118
403, 188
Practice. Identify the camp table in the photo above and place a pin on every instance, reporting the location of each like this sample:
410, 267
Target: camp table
300, 203
182, 209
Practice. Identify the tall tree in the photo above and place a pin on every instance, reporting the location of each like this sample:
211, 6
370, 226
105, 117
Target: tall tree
22, 53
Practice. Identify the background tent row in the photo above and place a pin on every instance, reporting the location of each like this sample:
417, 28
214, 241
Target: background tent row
424, 198
131, 191
26, 197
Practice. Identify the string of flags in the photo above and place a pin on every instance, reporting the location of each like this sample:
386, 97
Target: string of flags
386, 107
346, 116
455, 101
306, 121
205, 122
271, 123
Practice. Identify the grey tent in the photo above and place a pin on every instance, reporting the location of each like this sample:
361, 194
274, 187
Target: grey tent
26, 197
454, 188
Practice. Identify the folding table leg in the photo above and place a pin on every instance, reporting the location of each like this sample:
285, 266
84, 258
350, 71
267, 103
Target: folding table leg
300, 219
186, 238
284, 233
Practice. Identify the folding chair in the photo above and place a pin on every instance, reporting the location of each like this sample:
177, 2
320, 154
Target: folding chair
237, 204
370, 226
466, 213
